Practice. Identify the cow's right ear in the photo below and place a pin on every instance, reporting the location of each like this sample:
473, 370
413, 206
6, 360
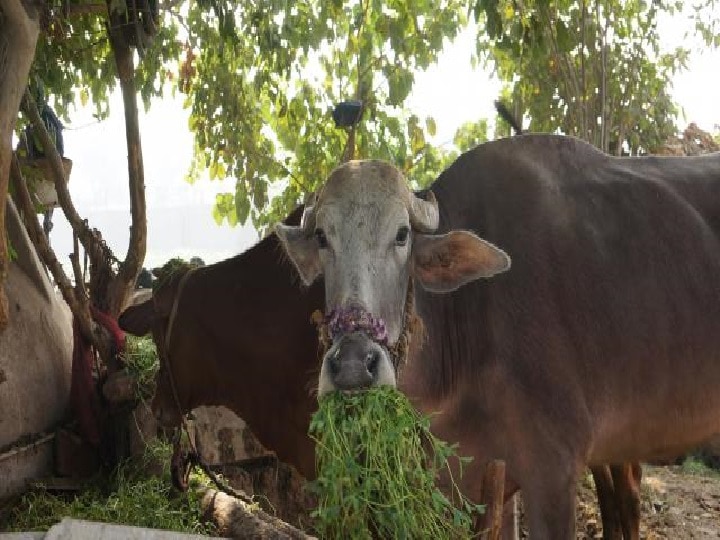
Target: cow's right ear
137, 320
302, 250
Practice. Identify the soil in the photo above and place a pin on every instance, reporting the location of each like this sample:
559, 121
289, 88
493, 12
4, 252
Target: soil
676, 505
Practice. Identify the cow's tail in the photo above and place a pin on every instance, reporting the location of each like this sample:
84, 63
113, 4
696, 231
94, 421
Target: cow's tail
506, 115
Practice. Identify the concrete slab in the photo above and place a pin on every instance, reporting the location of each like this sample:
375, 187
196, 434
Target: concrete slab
22, 536
76, 529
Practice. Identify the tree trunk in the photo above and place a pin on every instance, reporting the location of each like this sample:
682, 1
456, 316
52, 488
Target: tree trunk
123, 283
237, 520
19, 29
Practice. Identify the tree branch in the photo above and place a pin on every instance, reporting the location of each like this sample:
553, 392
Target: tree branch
583, 80
604, 143
77, 271
562, 58
78, 303
129, 269
21, 18
19, 31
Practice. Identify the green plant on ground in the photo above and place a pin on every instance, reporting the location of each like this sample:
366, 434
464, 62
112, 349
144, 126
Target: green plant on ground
695, 465
128, 496
377, 466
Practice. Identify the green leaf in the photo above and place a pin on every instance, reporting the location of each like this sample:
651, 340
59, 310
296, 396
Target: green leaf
242, 204
430, 125
217, 215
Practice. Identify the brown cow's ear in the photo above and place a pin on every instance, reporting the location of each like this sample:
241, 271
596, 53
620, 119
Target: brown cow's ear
442, 263
137, 320
302, 250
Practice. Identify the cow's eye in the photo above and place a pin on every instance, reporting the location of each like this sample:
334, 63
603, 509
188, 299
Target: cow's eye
402, 236
321, 238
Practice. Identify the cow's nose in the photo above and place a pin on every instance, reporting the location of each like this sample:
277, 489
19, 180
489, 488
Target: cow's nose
354, 362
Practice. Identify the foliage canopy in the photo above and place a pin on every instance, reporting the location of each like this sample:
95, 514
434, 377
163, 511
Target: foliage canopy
260, 80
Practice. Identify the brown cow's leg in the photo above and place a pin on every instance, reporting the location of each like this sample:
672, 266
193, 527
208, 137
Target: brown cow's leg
550, 506
626, 478
609, 505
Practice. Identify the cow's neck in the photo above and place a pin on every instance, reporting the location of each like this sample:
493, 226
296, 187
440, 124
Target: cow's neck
436, 362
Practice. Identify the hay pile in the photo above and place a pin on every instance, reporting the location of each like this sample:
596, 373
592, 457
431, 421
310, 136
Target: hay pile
377, 465
127, 496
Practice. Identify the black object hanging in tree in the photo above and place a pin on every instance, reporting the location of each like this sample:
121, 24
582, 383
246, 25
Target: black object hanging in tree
347, 113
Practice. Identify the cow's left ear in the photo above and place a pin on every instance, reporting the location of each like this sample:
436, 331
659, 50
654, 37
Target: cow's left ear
442, 263
302, 250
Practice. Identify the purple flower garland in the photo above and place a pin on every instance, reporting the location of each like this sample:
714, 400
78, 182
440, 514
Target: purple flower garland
354, 319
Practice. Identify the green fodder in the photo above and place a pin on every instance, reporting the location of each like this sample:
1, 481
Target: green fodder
127, 496
141, 361
170, 268
377, 464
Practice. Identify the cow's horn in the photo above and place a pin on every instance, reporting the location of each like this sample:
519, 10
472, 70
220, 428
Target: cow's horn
307, 222
424, 215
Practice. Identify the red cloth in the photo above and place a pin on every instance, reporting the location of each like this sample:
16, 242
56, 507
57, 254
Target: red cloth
111, 325
84, 398
84, 401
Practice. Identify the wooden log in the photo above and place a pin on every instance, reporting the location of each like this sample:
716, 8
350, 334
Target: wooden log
120, 387
492, 496
236, 519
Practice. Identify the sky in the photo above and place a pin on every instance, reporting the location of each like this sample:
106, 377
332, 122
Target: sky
179, 214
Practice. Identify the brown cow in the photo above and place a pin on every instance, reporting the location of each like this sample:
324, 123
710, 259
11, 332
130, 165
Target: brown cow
239, 341
245, 346
588, 351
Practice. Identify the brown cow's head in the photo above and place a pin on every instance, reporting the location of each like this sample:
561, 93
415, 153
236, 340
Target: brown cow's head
367, 234
154, 315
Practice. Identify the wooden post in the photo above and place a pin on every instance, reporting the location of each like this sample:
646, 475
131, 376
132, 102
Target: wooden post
492, 496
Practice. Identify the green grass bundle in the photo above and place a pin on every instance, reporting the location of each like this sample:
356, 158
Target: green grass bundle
141, 360
129, 496
376, 477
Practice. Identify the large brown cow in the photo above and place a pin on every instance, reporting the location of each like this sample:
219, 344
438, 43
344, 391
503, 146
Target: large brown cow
241, 337
618, 486
600, 345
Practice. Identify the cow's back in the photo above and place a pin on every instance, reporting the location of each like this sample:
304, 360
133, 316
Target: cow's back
609, 320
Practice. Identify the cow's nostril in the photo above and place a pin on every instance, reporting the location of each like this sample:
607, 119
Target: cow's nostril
372, 359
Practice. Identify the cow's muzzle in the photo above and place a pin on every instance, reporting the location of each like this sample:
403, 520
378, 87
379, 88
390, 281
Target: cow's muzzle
355, 362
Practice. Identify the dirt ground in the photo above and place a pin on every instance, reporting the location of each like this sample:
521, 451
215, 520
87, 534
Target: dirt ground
677, 504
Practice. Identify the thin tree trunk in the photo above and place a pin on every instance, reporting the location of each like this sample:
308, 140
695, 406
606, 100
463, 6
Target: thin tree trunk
78, 303
124, 282
604, 142
19, 29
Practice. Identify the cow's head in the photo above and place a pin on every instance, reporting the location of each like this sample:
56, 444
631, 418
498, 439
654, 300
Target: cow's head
155, 315
367, 233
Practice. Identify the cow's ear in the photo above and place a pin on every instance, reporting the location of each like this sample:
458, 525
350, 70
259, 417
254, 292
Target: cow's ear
302, 250
442, 263
137, 320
